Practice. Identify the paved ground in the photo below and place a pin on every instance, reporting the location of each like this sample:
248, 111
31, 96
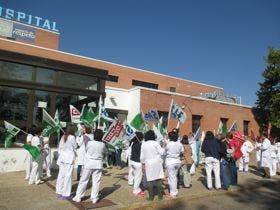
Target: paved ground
253, 192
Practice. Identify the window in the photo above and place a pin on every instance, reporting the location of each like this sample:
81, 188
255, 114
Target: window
172, 89
144, 84
13, 103
224, 123
196, 122
246, 127
164, 116
72, 80
46, 76
15, 71
113, 78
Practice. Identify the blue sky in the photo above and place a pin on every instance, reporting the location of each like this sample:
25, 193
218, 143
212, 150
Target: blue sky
217, 42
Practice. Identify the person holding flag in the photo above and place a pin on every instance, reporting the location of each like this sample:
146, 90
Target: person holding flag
37, 163
47, 156
28, 157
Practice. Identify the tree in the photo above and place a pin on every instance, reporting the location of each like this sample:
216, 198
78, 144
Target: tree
267, 108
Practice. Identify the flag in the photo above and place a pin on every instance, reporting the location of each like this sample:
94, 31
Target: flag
159, 136
49, 124
34, 151
137, 122
13, 130
129, 132
197, 134
233, 127
75, 114
8, 139
222, 128
152, 115
87, 116
114, 132
146, 127
176, 112
161, 127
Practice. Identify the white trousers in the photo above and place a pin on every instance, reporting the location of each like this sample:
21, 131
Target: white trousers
96, 177
35, 171
47, 162
173, 171
192, 169
244, 164
213, 164
273, 168
28, 165
130, 173
64, 179
137, 174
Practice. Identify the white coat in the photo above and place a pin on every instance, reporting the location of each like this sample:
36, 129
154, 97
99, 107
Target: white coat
278, 151
81, 150
265, 155
67, 150
246, 149
95, 153
151, 153
173, 151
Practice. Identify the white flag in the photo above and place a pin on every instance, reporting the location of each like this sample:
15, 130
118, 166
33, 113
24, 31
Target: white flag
75, 114
176, 112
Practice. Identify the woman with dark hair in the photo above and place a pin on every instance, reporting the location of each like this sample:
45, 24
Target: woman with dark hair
211, 149
67, 153
173, 150
93, 164
136, 166
150, 157
37, 164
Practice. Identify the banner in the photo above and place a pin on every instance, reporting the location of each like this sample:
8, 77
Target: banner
176, 112
75, 114
114, 131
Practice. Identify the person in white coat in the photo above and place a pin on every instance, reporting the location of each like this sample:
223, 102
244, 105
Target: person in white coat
47, 156
192, 143
95, 153
150, 157
28, 157
37, 163
273, 155
246, 149
173, 151
278, 152
81, 150
265, 156
66, 157
258, 153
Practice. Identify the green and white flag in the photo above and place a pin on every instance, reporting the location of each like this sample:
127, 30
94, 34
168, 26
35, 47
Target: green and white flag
49, 124
138, 122
13, 130
10, 132
222, 129
161, 127
88, 117
34, 151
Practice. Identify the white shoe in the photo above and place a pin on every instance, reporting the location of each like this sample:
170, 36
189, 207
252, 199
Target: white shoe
76, 199
39, 182
95, 200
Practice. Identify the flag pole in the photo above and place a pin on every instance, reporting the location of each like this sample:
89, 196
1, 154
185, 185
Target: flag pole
169, 113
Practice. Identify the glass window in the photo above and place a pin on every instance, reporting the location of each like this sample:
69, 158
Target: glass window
44, 75
246, 127
42, 101
144, 84
113, 78
13, 104
172, 89
77, 81
196, 121
15, 71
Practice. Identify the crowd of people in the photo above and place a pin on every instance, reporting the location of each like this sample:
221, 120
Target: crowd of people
150, 160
